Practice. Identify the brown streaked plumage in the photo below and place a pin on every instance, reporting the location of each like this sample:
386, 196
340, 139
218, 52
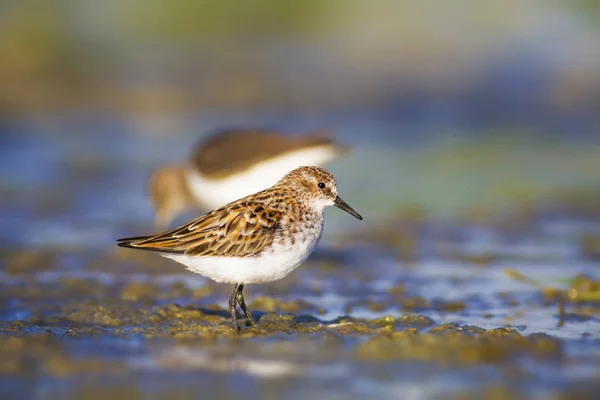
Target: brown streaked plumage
237, 230
259, 238
223, 167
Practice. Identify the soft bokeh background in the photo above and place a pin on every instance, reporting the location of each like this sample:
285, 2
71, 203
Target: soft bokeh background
450, 105
481, 114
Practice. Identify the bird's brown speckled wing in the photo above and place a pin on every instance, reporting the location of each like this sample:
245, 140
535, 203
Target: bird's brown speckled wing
236, 230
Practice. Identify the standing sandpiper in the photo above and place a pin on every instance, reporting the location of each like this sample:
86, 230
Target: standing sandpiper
230, 164
256, 239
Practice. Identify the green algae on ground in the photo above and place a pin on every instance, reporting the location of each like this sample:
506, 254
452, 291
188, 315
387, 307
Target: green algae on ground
413, 303
415, 321
347, 327
272, 304
107, 316
584, 289
384, 321
451, 344
456, 305
136, 291
581, 288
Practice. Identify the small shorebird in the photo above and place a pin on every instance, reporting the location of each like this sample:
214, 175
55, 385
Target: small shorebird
230, 164
258, 238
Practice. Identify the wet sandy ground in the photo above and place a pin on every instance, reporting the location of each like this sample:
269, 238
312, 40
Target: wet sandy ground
502, 309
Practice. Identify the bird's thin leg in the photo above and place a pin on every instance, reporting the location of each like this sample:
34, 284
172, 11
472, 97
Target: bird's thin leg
242, 303
232, 306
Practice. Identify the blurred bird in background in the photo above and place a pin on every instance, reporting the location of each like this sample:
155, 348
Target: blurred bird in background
232, 163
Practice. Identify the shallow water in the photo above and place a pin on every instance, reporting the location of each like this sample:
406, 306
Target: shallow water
413, 302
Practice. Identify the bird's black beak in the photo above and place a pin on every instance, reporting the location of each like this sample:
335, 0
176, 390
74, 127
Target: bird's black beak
342, 205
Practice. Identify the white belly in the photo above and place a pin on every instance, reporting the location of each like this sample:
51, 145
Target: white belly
270, 266
215, 193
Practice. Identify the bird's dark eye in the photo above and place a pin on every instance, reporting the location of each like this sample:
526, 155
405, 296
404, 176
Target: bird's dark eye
321, 185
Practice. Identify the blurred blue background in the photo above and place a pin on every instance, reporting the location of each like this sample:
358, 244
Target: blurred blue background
463, 111
449, 106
